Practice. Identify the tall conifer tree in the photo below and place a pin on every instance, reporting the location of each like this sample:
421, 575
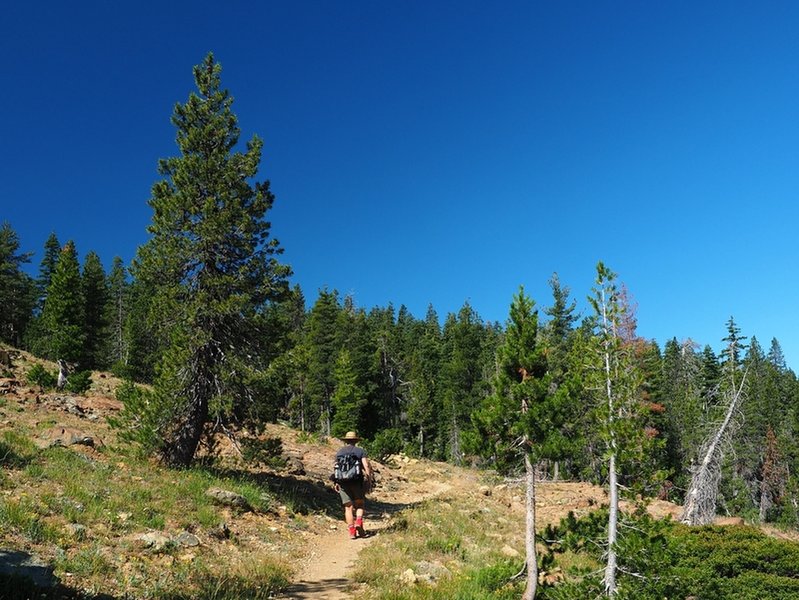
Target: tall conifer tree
210, 266
16, 287
348, 399
116, 312
95, 297
616, 381
323, 348
462, 382
52, 251
424, 403
63, 316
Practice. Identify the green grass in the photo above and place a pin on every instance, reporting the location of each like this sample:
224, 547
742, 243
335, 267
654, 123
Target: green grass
452, 546
114, 497
88, 562
25, 517
16, 449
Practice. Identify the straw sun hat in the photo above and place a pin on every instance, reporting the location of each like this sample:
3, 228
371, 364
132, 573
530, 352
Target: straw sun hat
351, 436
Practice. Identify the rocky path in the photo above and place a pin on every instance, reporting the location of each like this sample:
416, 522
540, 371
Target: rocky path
324, 573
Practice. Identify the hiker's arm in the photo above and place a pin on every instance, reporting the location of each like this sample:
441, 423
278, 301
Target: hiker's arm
367, 468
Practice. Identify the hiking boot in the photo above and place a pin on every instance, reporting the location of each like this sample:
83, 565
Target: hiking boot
352, 532
359, 527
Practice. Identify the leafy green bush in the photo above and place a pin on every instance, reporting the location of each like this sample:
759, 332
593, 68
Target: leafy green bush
385, 443
79, 382
675, 561
139, 419
40, 376
268, 451
123, 371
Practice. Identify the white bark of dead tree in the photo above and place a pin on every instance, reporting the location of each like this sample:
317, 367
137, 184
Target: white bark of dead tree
62, 374
529, 540
700, 501
613, 483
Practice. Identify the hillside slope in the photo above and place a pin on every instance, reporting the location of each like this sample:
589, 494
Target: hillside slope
87, 514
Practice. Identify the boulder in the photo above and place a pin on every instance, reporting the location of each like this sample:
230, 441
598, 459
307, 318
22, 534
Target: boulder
184, 538
154, 540
294, 466
228, 498
64, 436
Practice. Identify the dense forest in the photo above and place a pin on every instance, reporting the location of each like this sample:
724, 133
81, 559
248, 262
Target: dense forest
207, 315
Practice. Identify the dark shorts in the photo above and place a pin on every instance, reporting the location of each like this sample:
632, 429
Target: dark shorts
351, 492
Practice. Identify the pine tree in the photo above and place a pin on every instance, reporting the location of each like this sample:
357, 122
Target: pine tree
710, 381
52, 251
516, 418
424, 404
731, 355
682, 400
143, 343
558, 341
617, 380
323, 346
63, 316
210, 266
95, 297
284, 384
460, 376
388, 366
348, 399
116, 313
17, 295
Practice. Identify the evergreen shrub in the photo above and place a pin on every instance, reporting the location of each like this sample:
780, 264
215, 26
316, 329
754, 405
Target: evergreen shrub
268, 451
79, 382
38, 375
661, 559
385, 443
139, 419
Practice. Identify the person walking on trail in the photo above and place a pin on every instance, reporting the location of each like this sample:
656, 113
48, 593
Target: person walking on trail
353, 478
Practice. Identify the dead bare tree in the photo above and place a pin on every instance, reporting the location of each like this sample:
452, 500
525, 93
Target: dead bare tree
700, 501
63, 372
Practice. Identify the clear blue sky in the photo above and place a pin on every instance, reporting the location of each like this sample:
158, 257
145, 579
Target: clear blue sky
437, 152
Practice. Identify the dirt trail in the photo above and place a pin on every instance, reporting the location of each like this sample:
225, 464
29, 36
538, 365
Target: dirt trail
324, 573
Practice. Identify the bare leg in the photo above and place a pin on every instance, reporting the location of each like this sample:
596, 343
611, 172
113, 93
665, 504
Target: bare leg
359, 510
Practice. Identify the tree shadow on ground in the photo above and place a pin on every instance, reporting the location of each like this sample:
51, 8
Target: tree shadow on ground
11, 459
301, 496
24, 577
305, 496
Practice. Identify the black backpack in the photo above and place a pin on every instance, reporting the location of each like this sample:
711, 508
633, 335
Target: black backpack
348, 467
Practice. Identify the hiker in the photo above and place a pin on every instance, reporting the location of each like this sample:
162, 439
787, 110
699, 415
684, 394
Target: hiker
353, 479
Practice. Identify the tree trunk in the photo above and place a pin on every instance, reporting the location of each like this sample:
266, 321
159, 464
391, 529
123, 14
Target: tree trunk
455, 441
613, 520
532, 559
62, 374
179, 451
700, 501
